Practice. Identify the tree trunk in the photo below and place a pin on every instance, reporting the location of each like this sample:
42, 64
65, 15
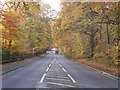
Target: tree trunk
107, 32
91, 45
100, 32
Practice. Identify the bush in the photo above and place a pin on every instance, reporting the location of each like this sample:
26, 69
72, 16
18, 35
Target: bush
6, 56
17, 56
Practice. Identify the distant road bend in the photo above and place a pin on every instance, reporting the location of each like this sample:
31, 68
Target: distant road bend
56, 71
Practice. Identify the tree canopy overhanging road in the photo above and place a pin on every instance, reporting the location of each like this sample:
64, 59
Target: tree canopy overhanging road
45, 48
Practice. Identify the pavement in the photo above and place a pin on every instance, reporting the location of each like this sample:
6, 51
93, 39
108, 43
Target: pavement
55, 71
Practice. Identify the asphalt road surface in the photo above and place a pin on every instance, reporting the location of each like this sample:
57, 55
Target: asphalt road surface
56, 71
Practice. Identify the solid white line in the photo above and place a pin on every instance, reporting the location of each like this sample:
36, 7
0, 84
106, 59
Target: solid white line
47, 69
63, 69
60, 84
50, 65
42, 78
71, 78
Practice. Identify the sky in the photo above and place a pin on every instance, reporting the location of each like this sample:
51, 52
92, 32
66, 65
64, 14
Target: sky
55, 4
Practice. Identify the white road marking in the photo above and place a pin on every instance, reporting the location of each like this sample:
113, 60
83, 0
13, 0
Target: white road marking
42, 78
58, 79
52, 61
47, 69
50, 65
60, 65
59, 84
71, 78
63, 69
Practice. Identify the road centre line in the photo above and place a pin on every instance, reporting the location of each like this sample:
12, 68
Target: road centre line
59, 84
49, 65
52, 61
42, 79
71, 78
68, 74
60, 65
47, 69
63, 69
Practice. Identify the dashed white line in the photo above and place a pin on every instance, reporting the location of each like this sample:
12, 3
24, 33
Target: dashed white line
59, 84
71, 78
68, 74
47, 69
50, 65
60, 65
63, 69
42, 78
52, 61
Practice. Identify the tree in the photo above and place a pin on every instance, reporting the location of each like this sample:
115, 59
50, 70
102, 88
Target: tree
25, 28
95, 23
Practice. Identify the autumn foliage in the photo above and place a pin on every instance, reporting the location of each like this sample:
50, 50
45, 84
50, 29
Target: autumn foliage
24, 29
88, 30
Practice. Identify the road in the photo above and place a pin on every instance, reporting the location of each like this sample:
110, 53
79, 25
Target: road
56, 71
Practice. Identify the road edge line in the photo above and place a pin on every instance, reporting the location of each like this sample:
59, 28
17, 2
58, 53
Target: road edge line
100, 71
